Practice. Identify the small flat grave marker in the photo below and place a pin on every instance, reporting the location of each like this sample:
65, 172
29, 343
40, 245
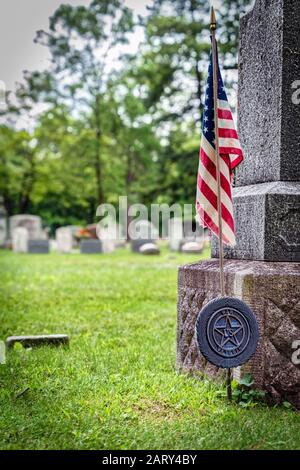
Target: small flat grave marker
39, 340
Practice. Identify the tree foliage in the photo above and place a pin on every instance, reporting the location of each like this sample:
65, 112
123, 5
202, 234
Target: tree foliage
112, 125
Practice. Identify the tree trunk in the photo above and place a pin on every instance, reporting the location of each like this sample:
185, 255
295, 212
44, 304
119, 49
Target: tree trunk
98, 162
27, 186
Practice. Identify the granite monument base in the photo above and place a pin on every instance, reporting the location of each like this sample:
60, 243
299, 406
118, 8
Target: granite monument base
272, 291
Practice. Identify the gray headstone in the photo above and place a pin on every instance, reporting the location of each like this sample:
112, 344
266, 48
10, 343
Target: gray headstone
267, 196
90, 246
269, 64
39, 247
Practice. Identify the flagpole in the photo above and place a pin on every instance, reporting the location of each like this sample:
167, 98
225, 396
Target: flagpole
213, 27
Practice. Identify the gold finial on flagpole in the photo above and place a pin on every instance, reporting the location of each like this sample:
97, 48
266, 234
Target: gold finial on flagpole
213, 21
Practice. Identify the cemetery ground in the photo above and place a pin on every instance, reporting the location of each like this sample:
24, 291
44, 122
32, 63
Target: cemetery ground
116, 386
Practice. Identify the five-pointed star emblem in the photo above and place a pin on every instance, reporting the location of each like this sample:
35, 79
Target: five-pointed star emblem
228, 332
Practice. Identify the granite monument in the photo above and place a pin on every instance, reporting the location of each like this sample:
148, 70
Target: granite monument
264, 268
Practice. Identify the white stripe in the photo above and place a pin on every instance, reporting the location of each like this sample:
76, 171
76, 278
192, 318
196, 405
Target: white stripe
213, 214
212, 183
224, 105
229, 142
210, 152
226, 124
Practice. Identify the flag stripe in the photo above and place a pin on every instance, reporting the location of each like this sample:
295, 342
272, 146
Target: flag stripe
208, 222
211, 168
211, 196
224, 114
208, 211
226, 124
232, 134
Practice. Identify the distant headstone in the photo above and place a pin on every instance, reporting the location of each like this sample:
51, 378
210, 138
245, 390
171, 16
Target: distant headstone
175, 234
3, 227
143, 232
39, 246
182, 233
90, 246
108, 237
192, 247
137, 244
20, 240
32, 223
149, 249
64, 239
74, 230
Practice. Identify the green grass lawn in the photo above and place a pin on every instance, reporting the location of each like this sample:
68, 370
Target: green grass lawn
116, 386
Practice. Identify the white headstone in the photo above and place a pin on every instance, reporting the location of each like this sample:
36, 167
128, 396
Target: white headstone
192, 247
149, 249
175, 234
2, 230
32, 223
74, 229
64, 239
20, 239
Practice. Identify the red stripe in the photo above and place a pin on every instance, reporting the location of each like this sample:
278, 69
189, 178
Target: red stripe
224, 114
231, 150
212, 198
236, 162
208, 222
231, 133
211, 168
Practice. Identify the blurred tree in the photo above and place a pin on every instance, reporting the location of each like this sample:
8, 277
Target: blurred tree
174, 60
82, 41
172, 69
17, 169
107, 132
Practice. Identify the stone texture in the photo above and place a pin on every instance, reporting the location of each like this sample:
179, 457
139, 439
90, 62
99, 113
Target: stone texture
267, 222
272, 291
40, 340
39, 247
268, 65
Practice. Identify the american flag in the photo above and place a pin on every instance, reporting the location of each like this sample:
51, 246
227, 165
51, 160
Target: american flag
231, 156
